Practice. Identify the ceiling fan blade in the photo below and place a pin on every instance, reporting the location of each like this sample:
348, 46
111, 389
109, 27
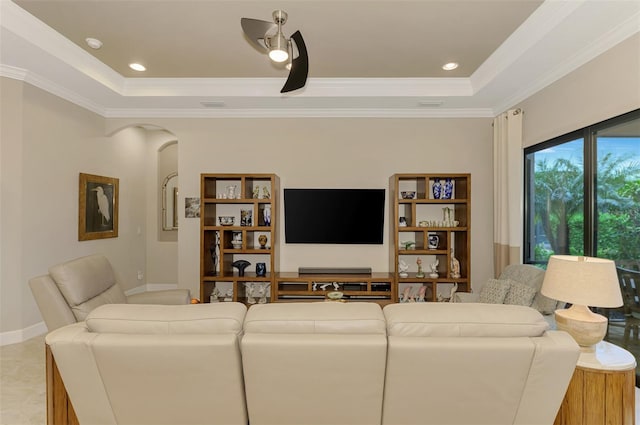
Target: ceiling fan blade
299, 66
255, 30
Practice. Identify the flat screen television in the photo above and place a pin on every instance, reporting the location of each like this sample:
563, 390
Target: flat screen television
334, 216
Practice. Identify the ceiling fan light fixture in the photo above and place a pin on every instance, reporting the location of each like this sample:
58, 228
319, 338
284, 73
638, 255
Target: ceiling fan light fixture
278, 48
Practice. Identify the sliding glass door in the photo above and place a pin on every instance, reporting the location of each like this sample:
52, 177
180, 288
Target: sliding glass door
582, 193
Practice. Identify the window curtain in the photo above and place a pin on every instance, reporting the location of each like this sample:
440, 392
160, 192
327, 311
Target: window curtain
507, 189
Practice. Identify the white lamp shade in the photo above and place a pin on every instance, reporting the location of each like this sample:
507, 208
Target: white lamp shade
582, 280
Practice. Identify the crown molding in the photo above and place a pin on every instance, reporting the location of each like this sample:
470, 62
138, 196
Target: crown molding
315, 87
302, 113
50, 87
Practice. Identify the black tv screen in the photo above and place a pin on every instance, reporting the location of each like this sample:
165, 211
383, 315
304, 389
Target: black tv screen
334, 216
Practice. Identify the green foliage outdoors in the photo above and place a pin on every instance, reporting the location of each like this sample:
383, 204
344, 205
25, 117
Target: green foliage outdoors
559, 207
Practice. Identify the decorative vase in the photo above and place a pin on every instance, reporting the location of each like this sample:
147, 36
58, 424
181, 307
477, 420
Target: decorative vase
437, 189
447, 216
266, 214
434, 240
447, 189
213, 251
262, 240
241, 265
261, 269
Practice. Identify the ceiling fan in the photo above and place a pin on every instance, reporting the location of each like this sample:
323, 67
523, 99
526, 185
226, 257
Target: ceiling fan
268, 37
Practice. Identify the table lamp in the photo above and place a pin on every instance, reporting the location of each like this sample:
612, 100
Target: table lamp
582, 282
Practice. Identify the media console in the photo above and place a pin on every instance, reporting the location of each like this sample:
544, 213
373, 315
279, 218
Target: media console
373, 287
334, 270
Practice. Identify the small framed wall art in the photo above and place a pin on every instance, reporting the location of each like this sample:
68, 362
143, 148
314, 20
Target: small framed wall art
98, 207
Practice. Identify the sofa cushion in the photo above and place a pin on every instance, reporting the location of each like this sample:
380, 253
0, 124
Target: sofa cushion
519, 294
84, 278
494, 291
167, 319
463, 320
315, 318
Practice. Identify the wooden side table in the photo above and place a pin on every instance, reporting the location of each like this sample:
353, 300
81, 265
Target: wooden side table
602, 389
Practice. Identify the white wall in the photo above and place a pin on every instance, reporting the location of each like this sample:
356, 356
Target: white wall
605, 87
51, 141
327, 152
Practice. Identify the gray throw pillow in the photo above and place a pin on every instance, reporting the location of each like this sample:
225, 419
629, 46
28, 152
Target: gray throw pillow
519, 294
494, 291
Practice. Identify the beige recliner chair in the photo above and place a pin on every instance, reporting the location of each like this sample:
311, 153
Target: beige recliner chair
72, 289
154, 365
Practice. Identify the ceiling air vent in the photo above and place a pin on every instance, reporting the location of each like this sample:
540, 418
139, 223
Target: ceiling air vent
213, 104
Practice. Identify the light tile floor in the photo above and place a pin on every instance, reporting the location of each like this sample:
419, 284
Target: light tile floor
22, 382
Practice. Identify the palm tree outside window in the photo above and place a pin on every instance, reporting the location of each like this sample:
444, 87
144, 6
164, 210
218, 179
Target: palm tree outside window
582, 194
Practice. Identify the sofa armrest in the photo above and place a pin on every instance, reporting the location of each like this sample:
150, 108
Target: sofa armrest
466, 297
166, 297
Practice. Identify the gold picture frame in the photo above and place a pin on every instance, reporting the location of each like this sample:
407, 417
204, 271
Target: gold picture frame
98, 207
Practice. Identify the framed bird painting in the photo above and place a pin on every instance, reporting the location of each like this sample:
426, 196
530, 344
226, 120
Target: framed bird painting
98, 207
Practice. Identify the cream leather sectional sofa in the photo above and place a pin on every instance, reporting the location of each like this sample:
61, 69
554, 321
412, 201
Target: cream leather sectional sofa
314, 363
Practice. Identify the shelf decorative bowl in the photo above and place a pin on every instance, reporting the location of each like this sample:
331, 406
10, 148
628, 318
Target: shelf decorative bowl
236, 244
409, 194
226, 220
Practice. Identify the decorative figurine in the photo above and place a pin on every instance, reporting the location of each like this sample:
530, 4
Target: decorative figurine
421, 293
420, 273
262, 240
214, 250
231, 191
403, 267
455, 267
402, 222
452, 294
434, 269
406, 296
261, 269
215, 295
229, 296
241, 265
266, 215
256, 192
265, 193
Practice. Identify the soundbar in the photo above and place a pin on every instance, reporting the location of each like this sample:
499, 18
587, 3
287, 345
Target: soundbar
334, 270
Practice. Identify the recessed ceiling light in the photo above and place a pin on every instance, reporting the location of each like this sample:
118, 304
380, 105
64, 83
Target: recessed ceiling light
137, 67
94, 43
449, 66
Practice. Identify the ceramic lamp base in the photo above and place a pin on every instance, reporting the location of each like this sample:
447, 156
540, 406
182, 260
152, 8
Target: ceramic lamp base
585, 326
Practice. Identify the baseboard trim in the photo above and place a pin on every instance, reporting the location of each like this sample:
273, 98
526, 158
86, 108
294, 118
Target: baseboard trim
21, 335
